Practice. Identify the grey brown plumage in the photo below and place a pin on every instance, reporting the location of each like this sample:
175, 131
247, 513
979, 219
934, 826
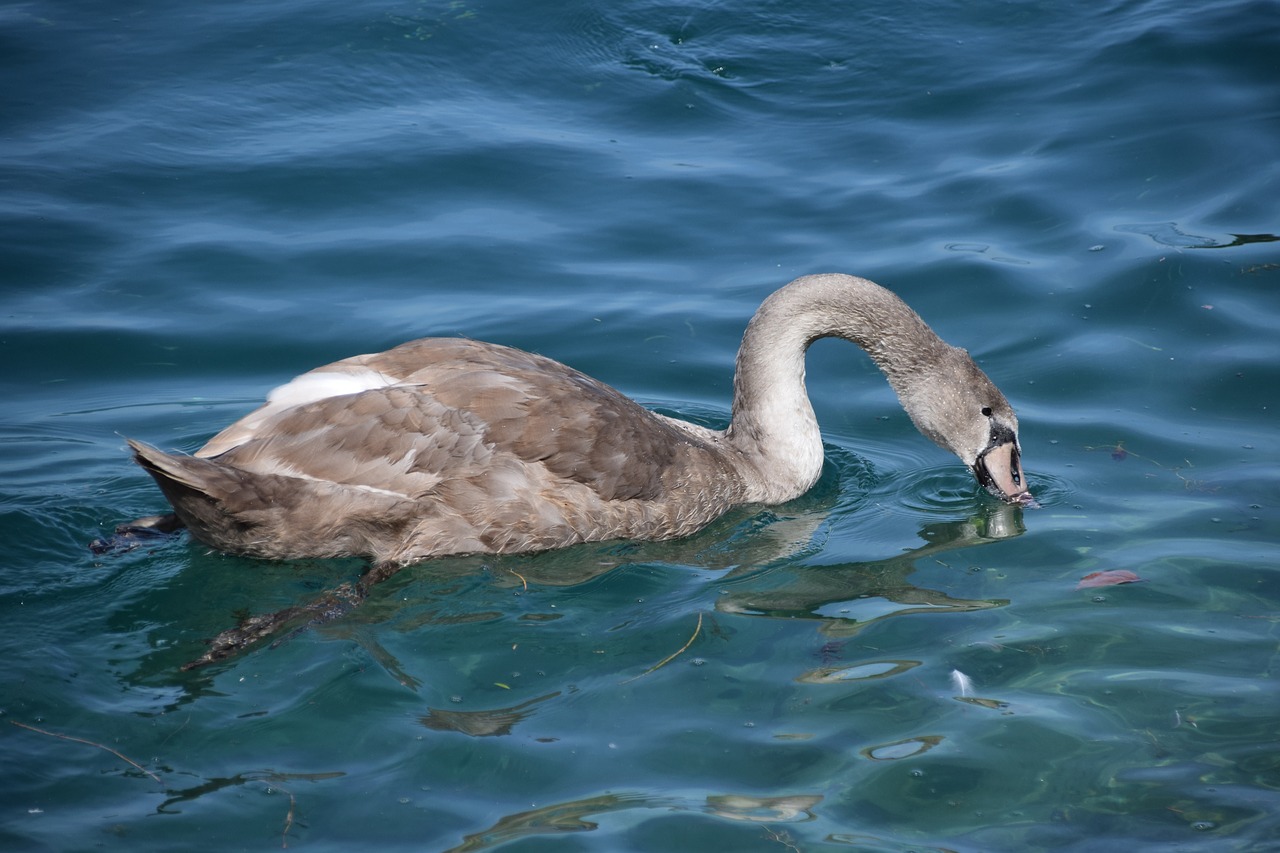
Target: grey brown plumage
447, 446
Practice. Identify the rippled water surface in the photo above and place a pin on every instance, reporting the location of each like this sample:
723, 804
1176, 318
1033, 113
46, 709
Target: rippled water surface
201, 201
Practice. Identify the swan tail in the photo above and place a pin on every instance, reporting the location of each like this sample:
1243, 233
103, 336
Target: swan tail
192, 484
274, 516
204, 495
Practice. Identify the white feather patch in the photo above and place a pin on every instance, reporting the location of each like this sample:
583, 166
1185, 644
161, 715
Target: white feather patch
962, 683
323, 384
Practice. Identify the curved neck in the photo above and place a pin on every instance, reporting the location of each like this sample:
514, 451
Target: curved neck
773, 425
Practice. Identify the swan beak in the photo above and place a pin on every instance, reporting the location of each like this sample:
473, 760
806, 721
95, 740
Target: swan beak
999, 471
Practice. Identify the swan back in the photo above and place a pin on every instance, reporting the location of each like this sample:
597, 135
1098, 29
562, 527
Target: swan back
456, 446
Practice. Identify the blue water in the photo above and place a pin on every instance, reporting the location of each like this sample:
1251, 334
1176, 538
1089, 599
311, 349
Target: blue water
201, 201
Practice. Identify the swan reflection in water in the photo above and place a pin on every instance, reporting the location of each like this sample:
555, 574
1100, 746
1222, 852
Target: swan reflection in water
850, 596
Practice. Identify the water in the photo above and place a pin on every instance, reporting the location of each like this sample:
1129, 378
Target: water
202, 201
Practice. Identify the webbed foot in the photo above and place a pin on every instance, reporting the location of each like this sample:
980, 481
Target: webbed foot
137, 533
333, 604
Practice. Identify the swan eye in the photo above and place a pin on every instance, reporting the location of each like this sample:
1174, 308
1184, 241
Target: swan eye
986, 411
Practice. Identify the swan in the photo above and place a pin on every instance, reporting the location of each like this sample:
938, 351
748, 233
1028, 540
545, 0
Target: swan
447, 446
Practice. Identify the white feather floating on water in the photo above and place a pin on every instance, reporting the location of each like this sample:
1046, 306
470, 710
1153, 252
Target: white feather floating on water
962, 683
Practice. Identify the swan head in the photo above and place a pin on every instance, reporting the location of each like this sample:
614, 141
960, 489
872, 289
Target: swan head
952, 402
998, 467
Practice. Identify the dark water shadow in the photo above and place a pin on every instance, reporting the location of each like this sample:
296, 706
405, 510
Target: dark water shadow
1170, 234
490, 722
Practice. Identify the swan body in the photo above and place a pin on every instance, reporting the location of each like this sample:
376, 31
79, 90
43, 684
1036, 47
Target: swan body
450, 446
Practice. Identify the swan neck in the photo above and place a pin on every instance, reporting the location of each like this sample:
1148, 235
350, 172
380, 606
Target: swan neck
773, 425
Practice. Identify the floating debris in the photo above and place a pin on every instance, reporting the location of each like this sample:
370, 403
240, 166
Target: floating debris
1107, 578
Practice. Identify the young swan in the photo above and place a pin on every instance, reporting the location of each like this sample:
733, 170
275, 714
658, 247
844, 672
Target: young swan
446, 446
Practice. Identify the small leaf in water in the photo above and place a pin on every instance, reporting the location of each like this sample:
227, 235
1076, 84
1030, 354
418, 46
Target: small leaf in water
1107, 578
